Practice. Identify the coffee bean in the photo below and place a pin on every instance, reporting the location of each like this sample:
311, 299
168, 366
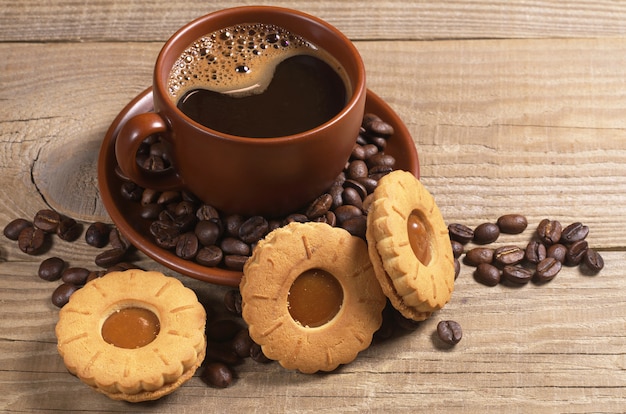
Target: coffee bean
479, 255
449, 332
320, 206
380, 159
232, 301
373, 124
184, 208
232, 245
347, 212
460, 233
13, 229
368, 183
358, 187
242, 343
357, 169
508, 255
217, 374
185, 222
487, 274
253, 229
358, 153
335, 192
62, 293
547, 269
207, 232
51, 269
356, 226
235, 262
486, 233
187, 246
296, 218
207, 212
210, 256
574, 232
150, 211
558, 251
117, 240
549, 231
31, 240
257, 355
97, 234
75, 275
535, 251
232, 223
575, 253
512, 223
457, 268
165, 235
370, 150
516, 274
47, 220
169, 197
131, 191
69, 229
593, 260
457, 248
110, 257
350, 196
149, 196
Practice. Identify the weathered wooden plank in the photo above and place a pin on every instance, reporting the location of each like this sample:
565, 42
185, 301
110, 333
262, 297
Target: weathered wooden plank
100, 20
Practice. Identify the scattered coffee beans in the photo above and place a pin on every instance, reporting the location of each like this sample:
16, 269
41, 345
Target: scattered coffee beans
551, 247
449, 332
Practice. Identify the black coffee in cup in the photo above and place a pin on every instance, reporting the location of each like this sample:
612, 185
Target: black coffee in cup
258, 80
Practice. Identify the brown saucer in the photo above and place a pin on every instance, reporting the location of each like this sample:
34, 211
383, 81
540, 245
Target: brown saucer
125, 214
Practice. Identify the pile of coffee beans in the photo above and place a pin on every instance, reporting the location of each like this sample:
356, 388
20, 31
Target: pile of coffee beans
551, 247
194, 231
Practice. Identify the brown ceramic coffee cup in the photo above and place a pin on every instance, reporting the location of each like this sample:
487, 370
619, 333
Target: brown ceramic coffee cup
268, 176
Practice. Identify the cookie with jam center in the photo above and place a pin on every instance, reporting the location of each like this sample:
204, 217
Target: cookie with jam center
132, 335
310, 296
409, 245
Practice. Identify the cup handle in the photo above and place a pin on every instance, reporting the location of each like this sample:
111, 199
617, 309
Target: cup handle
128, 140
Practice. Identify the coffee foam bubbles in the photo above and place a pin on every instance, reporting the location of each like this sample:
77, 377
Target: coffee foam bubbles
239, 60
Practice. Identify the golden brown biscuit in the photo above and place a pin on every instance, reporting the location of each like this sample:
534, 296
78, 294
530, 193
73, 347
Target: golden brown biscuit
99, 350
409, 246
318, 325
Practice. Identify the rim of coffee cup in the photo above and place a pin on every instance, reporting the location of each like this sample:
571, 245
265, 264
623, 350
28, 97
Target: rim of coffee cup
175, 45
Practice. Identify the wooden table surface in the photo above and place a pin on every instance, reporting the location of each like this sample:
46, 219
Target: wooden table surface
514, 107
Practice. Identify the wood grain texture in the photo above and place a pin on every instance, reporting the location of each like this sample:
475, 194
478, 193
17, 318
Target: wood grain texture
117, 20
513, 107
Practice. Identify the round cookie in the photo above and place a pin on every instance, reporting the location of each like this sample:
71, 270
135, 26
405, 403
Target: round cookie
276, 310
409, 245
123, 371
